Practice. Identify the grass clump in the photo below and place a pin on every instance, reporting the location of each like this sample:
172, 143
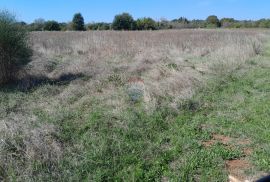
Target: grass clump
14, 49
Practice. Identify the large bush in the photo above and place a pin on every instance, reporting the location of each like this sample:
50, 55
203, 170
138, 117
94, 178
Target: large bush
14, 50
78, 22
99, 26
213, 21
123, 21
37, 25
146, 24
52, 26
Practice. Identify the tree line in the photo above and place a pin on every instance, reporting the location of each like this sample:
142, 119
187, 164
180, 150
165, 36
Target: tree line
125, 21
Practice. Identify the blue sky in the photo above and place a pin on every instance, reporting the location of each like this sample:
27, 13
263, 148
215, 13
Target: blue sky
105, 10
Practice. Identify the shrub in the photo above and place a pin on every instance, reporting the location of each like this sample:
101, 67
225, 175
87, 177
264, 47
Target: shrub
78, 22
14, 50
136, 89
213, 21
123, 22
146, 24
181, 20
52, 26
227, 22
63, 26
99, 26
37, 25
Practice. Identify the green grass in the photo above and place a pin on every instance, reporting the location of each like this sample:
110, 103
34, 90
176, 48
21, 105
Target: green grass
165, 144
133, 145
168, 144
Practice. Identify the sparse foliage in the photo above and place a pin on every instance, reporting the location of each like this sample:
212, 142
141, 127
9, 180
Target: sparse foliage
37, 25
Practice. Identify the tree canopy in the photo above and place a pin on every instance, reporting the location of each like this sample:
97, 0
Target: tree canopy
78, 22
123, 21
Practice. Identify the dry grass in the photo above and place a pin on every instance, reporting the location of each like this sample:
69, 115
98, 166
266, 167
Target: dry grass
163, 64
169, 62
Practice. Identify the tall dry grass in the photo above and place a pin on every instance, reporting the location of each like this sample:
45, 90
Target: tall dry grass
169, 62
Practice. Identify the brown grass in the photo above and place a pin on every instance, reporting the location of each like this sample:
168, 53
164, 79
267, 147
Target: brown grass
169, 62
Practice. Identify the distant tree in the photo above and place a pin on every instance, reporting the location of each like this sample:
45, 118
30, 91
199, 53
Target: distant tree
263, 23
78, 22
123, 21
21, 23
164, 24
63, 26
181, 20
213, 21
227, 22
198, 24
146, 24
52, 26
37, 25
99, 26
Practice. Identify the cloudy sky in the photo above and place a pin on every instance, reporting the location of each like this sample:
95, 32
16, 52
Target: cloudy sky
105, 10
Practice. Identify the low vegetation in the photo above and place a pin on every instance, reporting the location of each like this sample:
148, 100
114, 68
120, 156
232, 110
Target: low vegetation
143, 106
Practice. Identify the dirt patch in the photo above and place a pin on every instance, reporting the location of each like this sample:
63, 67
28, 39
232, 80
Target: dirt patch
217, 138
225, 140
237, 168
247, 151
222, 139
243, 142
208, 143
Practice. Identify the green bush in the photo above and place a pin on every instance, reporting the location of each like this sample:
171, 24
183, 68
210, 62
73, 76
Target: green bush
14, 49
99, 26
78, 22
52, 26
146, 24
37, 25
213, 21
123, 22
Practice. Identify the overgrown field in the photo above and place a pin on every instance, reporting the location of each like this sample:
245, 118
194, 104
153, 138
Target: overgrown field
187, 105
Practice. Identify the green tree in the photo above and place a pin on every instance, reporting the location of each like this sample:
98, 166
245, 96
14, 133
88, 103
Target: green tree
181, 20
99, 26
263, 23
37, 25
213, 21
146, 24
227, 22
78, 22
123, 21
52, 26
14, 49
63, 26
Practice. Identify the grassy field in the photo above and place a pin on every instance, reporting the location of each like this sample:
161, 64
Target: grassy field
189, 105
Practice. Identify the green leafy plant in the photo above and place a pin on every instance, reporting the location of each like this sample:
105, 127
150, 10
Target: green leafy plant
14, 48
213, 21
52, 26
146, 24
123, 22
